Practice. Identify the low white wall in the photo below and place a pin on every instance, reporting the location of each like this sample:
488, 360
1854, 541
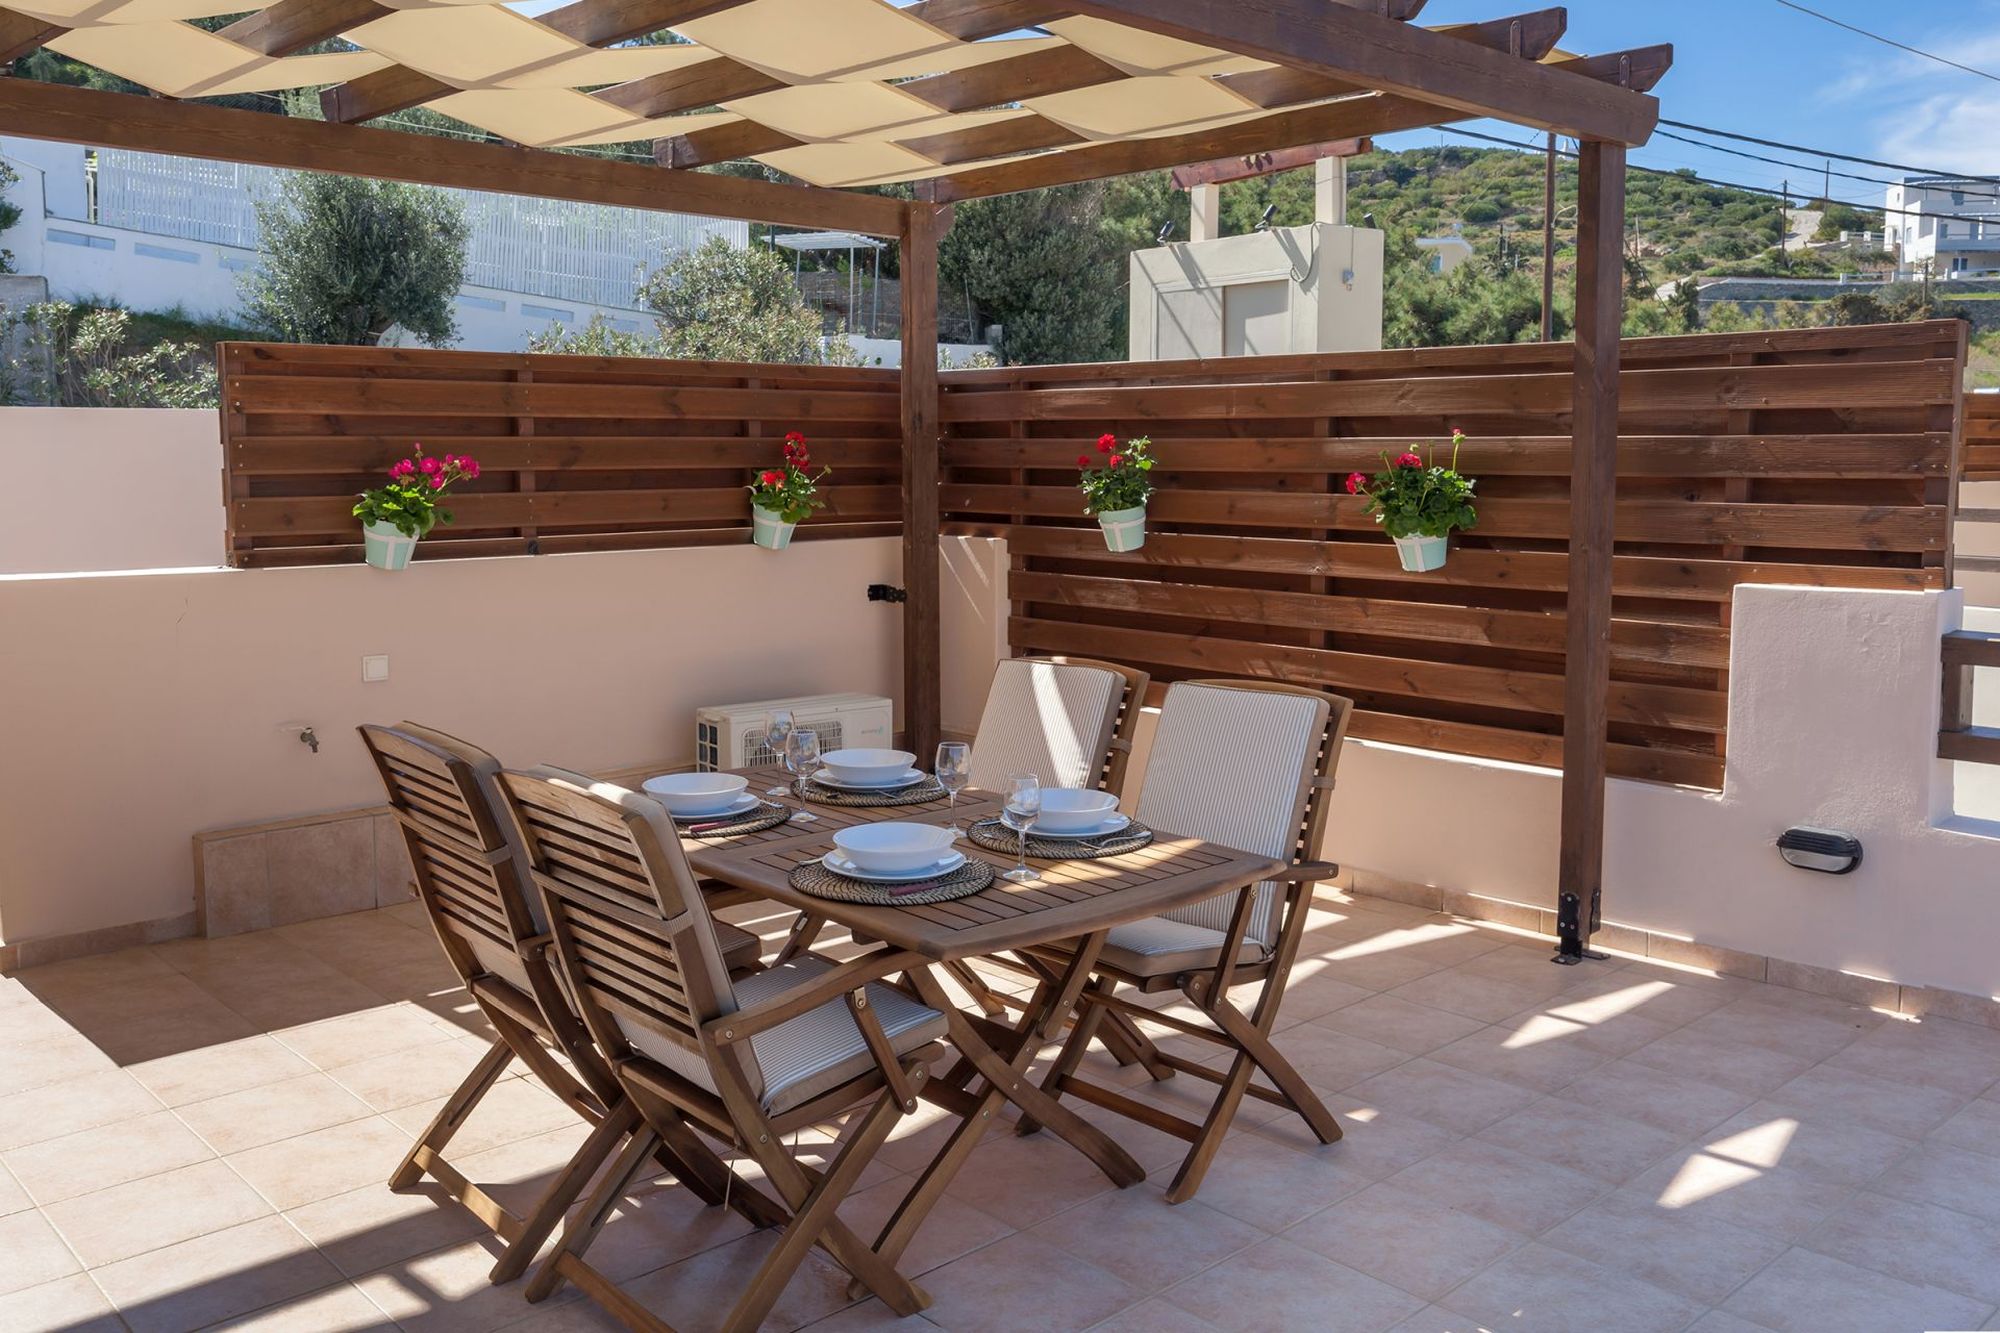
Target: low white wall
109, 488
142, 708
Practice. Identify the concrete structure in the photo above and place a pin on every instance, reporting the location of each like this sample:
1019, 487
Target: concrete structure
1943, 225
1442, 254
1316, 288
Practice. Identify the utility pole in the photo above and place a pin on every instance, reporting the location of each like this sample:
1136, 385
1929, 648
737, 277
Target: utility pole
1785, 224
1549, 242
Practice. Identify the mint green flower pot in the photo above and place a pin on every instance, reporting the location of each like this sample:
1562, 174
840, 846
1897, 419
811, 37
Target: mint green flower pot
1124, 529
769, 529
1422, 554
386, 547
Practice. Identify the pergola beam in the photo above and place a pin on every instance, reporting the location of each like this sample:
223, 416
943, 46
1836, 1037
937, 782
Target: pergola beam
1354, 117
1359, 47
291, 26
1226, 169
701, 85
191, 129
20, 34
976, 20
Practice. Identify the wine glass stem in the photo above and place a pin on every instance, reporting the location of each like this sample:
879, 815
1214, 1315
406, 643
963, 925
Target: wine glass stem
951, 812
1022, 864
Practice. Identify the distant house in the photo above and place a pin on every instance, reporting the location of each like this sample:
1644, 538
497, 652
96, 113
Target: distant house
1949, 226
1442, 254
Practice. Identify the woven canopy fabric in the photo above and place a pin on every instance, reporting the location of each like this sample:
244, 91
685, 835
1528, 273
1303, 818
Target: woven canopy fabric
845, 92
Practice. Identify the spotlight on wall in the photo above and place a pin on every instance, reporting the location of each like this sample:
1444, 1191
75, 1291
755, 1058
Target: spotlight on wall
1264, 222
1368, 221
1166, 230
1826, 850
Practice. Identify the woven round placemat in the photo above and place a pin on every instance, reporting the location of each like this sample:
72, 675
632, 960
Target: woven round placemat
768, 814
927, 790
995, 836
968, 879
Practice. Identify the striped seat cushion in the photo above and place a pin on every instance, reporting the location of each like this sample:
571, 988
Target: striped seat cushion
804, 1056
1047, 719
1161, 947
1228, 765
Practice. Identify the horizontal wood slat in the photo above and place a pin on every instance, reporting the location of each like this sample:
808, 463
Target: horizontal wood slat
1820, 457
1980, 457
576, 452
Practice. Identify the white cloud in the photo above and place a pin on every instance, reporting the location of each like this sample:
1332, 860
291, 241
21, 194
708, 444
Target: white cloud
1947, 131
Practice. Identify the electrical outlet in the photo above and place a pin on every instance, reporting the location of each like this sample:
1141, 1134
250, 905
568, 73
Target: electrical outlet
375, 667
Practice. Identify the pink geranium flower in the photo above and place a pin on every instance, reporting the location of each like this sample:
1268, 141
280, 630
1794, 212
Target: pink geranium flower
1409, 460
1355, 481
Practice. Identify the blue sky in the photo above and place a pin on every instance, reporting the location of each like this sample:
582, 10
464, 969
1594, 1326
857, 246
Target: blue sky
1756, 67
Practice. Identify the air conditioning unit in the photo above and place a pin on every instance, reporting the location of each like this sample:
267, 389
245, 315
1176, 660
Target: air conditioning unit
732, 735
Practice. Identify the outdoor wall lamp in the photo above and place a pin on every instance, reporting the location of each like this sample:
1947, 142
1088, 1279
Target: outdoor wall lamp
1826, 850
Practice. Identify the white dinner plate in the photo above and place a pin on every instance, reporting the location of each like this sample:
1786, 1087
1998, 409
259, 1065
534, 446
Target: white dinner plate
742, 805
910, 777
1109, 826
840, 865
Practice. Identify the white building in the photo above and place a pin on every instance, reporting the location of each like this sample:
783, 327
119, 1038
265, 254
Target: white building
159, 233
1948, 226
1442, 254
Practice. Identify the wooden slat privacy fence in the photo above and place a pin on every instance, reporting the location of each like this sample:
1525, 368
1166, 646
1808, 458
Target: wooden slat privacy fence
577, 453
1980, 458
1820, 456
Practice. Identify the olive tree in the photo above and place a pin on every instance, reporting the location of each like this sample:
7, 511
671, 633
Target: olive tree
343, 260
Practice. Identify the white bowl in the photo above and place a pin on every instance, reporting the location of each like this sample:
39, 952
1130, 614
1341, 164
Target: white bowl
889, 847
695, 793
1065, 809
865, 766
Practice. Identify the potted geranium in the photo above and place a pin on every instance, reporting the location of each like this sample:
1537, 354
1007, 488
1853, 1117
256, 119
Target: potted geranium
1418, 504
1116, 490
783, 497
398, 512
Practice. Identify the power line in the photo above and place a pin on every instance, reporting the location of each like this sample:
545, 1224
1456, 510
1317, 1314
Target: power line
1822, 152
1799, 166
1887, 41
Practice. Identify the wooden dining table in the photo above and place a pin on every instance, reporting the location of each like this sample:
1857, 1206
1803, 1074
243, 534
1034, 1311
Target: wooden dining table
1078, 901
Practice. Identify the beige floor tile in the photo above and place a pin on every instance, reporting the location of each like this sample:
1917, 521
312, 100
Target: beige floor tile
1701, 1258
1937, 1054
216, 1071
1277, 1285
316, 994
518, 1174
12, 1197
1803, 1292
1136, 1235
275, 1111
1583, 1138
1538, 1052
362, 1036
67, 1305
214, 1277
1409, 1241
1373, 964
1975, 1129
1540, 1290
1153, 1316
1500, 1186
1455, 1099
660, 1224
1393, 1021
1910, 1110
1677, 1103
1918, 1242
1021, 1181
150, 1214
71, 1106
512, 1110
1949, 1177
1314, 992
34, 1252
696, 1294
984, 1291
448, 1291
1470, 994
375, 1226
1815, 1035
39, 1061
954, 1228
1271, 1186
1778, 1202
1840, 1151
402, 1078
1328, 1060
1722, 1061
1715, 1321
337, 1309
323, 1163
108, 1155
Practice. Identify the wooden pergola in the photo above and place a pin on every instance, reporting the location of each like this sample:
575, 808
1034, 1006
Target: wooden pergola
950, 97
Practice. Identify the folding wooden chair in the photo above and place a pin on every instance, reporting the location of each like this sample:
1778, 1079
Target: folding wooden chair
1248, 764
747, 1061
473, 883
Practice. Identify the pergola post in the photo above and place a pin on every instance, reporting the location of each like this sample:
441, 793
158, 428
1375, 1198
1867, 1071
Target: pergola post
923, 650
1592, 507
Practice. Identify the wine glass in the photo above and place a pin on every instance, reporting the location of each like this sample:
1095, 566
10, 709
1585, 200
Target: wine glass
777, 729
954, 771
802, 761
1023, 808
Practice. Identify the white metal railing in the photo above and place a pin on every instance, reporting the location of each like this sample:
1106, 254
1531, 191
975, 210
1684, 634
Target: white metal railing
546, 247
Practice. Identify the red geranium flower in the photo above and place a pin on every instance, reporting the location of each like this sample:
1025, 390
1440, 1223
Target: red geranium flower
1355, 481
773, 478
1409, 460
1106, 442
1083, 460
1117, 459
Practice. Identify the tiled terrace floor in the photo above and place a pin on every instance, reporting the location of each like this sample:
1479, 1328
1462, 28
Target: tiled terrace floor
199, 1132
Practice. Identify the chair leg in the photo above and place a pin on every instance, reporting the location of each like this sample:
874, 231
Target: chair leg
1074, 1048
1214, 1129
1123, 1028
976, 987
1256, 1043
578, 1235
452, 1115
814, 1223
805, 929
562, 1192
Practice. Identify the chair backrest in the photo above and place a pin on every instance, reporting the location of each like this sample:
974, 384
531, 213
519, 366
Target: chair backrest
1068, 720
443, 793
1249, 764
631, 929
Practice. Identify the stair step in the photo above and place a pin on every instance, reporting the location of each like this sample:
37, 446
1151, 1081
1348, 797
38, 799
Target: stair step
1976, 745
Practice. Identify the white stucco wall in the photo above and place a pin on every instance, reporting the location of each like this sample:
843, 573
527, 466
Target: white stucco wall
1316, 288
